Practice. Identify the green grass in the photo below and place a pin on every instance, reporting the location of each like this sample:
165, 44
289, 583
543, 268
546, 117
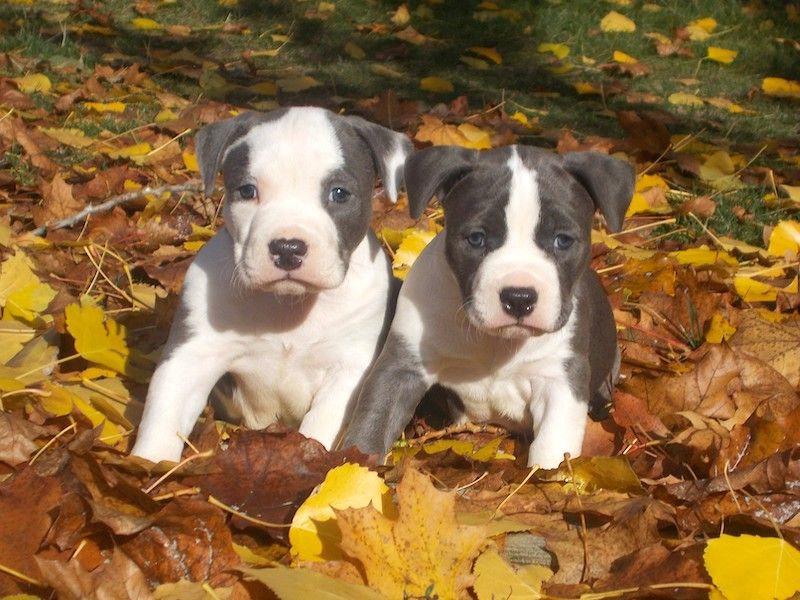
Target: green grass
524, 81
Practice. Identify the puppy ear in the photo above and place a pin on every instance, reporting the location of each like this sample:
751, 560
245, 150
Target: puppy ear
212, 141
608, 180
389, 151
434, 171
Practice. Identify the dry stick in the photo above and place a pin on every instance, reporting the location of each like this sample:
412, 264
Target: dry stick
193, 185
22, 576
245, 516
584, 528
166, 475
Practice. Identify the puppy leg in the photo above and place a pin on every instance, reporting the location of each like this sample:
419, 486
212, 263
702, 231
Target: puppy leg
176, 397
325, 418
559, 421
391, 392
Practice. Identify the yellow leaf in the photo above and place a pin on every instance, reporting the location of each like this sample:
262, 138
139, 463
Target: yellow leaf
288, 583
190, 161
326, 7
649, 196
293, 85
140, 149
401, 16
475, 63
588, 474
435, 84
146, 24
780, 88
703, 256
752, 290
13, 336
34, 82
250, 557
784, 241
354, 51
228, 3
684, 99
105, 106
98, 339
726, 104
721, 55
748, 566
586, 87
62, 402
718, 170
413, 244
193, 245
22, 295
719, 329
560, 51
477, 138
314, 534
495, 578
488, 452
68, 136
265, 88
625, 59
700, 29
615, 22
422, 553
793, 191
166, 115
490, 53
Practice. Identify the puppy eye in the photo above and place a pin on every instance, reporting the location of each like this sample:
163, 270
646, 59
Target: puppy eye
563, 241
339, 195
477, 239
247, 192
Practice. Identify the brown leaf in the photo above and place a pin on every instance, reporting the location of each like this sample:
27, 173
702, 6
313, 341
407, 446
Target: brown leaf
26, 502
188, 540
58, 202
775, 342
645, 132
286, 465
702, 206
15, 130
16, 438
119, 579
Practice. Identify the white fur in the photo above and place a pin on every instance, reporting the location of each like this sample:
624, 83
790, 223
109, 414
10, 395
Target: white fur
297, 348
521, 383
289, 178
299, 361
518, 263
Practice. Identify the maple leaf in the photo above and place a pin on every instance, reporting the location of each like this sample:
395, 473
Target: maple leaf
423, 552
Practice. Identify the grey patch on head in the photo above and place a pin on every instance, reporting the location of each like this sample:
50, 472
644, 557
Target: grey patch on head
366, 150
390, 394
474, 190
608, 181
384, 143
212, 141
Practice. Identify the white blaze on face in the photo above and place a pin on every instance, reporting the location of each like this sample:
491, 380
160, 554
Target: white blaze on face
518, 263
289, 160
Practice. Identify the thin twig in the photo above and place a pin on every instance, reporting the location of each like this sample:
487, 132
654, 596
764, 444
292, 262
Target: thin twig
246, 517
582, 516
186, 460
192, 185
22, 576
533, 470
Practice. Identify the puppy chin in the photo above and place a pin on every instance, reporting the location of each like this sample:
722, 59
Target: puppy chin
289, 287
508, 328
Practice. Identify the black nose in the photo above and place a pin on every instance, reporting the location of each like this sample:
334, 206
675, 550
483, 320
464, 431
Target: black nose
288, 254
518, 302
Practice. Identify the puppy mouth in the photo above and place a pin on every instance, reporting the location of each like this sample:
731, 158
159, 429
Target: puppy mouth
517, 330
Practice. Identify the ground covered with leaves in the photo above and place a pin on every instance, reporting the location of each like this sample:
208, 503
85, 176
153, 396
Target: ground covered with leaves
690, 488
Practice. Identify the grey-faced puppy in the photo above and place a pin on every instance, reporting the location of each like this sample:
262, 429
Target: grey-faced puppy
292, 296
502, 307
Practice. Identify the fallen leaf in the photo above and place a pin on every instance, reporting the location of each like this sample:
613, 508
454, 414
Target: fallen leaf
436, 84
623, 58
700, 30
491, 53
721, 55
69, 136
615, 22
401, 16
777, 343
784, 241
102, 107
780, 88
17, 437
684, 99
747, 566
292, 85
34, 82
560, 51
495, 578
289, 584
422, 553
315, 535
414, 242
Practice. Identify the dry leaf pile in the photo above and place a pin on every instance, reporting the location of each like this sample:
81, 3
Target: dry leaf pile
690, 488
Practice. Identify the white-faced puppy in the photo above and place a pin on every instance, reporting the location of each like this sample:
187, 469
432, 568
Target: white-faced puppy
292, 296
502, 307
